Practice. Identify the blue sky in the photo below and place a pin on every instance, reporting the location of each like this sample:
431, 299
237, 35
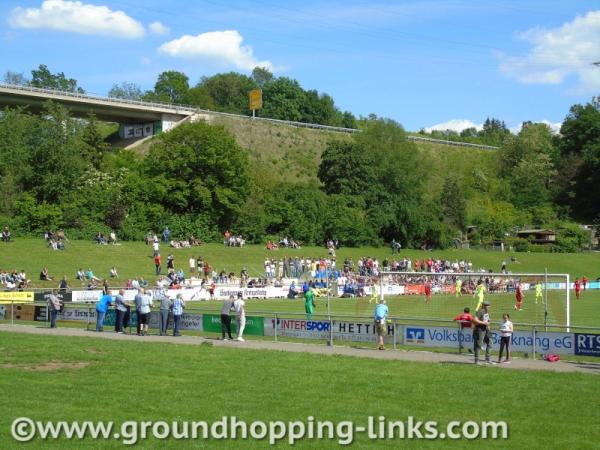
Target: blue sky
420, 63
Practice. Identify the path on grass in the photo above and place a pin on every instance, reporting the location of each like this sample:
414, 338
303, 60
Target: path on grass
403, 355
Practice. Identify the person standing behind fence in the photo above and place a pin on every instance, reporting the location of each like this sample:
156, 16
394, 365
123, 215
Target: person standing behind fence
55, 305
239, 305
165, 309
226, 318
506, 331
465, 320
178, 307
144, 312
138, 305
120, 310
481, 333
381, 313
101, 309
458, 288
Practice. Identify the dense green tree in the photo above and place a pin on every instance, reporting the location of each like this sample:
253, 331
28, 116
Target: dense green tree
171, 87
199, 168
229, 91
43, 78
454, 204
580, 164
283, 98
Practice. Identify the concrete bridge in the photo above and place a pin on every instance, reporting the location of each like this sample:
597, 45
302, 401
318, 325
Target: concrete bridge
132, 113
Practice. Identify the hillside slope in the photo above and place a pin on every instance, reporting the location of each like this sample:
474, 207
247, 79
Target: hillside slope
293, 154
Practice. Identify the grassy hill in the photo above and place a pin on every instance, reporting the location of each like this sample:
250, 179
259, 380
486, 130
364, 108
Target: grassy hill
293, 154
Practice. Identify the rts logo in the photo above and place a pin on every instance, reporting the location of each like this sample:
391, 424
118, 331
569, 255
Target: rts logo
415, 335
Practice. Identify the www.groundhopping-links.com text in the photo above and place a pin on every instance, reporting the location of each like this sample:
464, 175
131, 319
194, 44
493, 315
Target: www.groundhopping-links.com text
25, 429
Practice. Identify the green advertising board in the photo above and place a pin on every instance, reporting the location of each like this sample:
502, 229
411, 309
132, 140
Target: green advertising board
255, 326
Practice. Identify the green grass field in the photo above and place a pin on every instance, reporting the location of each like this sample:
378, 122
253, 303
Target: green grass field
134, 259
121, 381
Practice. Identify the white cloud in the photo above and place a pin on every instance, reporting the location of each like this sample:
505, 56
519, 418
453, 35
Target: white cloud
457, 125
77, 17
560, 53
224, 47
158, 28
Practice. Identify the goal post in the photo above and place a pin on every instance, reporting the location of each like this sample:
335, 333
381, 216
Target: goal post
544, 297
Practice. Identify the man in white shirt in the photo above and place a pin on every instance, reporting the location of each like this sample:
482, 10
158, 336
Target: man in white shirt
192, 264
239, 305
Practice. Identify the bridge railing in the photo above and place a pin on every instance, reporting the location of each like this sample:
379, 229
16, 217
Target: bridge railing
190, 109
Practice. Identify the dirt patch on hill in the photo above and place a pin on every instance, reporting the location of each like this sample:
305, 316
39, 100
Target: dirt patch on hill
47, 366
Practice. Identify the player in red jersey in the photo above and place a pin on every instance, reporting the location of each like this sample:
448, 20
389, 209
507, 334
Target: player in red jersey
427, 292
519, 297
577, 287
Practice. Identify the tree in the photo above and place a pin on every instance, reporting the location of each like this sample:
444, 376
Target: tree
199, 168
200, 97
494, 131
347, 169
580, 151
15, 78
261, 75
284, 99
171, 87
453, 203
43, 78
94, 141
126, 90
229, 91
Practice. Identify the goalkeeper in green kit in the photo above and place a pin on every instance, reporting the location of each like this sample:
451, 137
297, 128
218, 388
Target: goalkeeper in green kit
309, 303
479, 293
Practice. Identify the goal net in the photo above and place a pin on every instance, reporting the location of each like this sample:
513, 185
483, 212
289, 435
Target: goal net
541, 299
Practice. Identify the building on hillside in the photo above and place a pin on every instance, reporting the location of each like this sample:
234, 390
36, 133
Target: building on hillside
536, 236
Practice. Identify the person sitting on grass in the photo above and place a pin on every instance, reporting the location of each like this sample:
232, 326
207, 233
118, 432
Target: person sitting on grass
89, 275
45, 276
80, 275
113, 272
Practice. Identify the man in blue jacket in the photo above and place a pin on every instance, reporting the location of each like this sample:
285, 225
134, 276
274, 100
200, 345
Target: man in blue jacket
101, 308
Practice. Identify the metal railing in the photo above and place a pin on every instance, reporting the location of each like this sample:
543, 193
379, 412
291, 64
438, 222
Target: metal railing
397, 323
190, 109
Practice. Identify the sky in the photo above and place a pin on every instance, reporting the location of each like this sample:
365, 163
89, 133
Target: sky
426, 64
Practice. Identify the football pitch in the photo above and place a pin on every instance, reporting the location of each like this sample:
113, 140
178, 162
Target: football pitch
75, 379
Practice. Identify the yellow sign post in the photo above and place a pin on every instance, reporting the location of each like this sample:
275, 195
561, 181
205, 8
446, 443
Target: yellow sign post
255, 100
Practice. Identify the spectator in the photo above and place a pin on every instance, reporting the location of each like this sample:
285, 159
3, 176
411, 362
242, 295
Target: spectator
155, 248
506, 331
381, 313
6, 234
157, 263
45, 276
63, 286
226, 318
120, 310
239, 305
144, 312
481, 333
89, 275
192, 264
80, 275
165, 309
178, 307
465, 321
55, 305
101, 309
113, 272
112, 238
166, 235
